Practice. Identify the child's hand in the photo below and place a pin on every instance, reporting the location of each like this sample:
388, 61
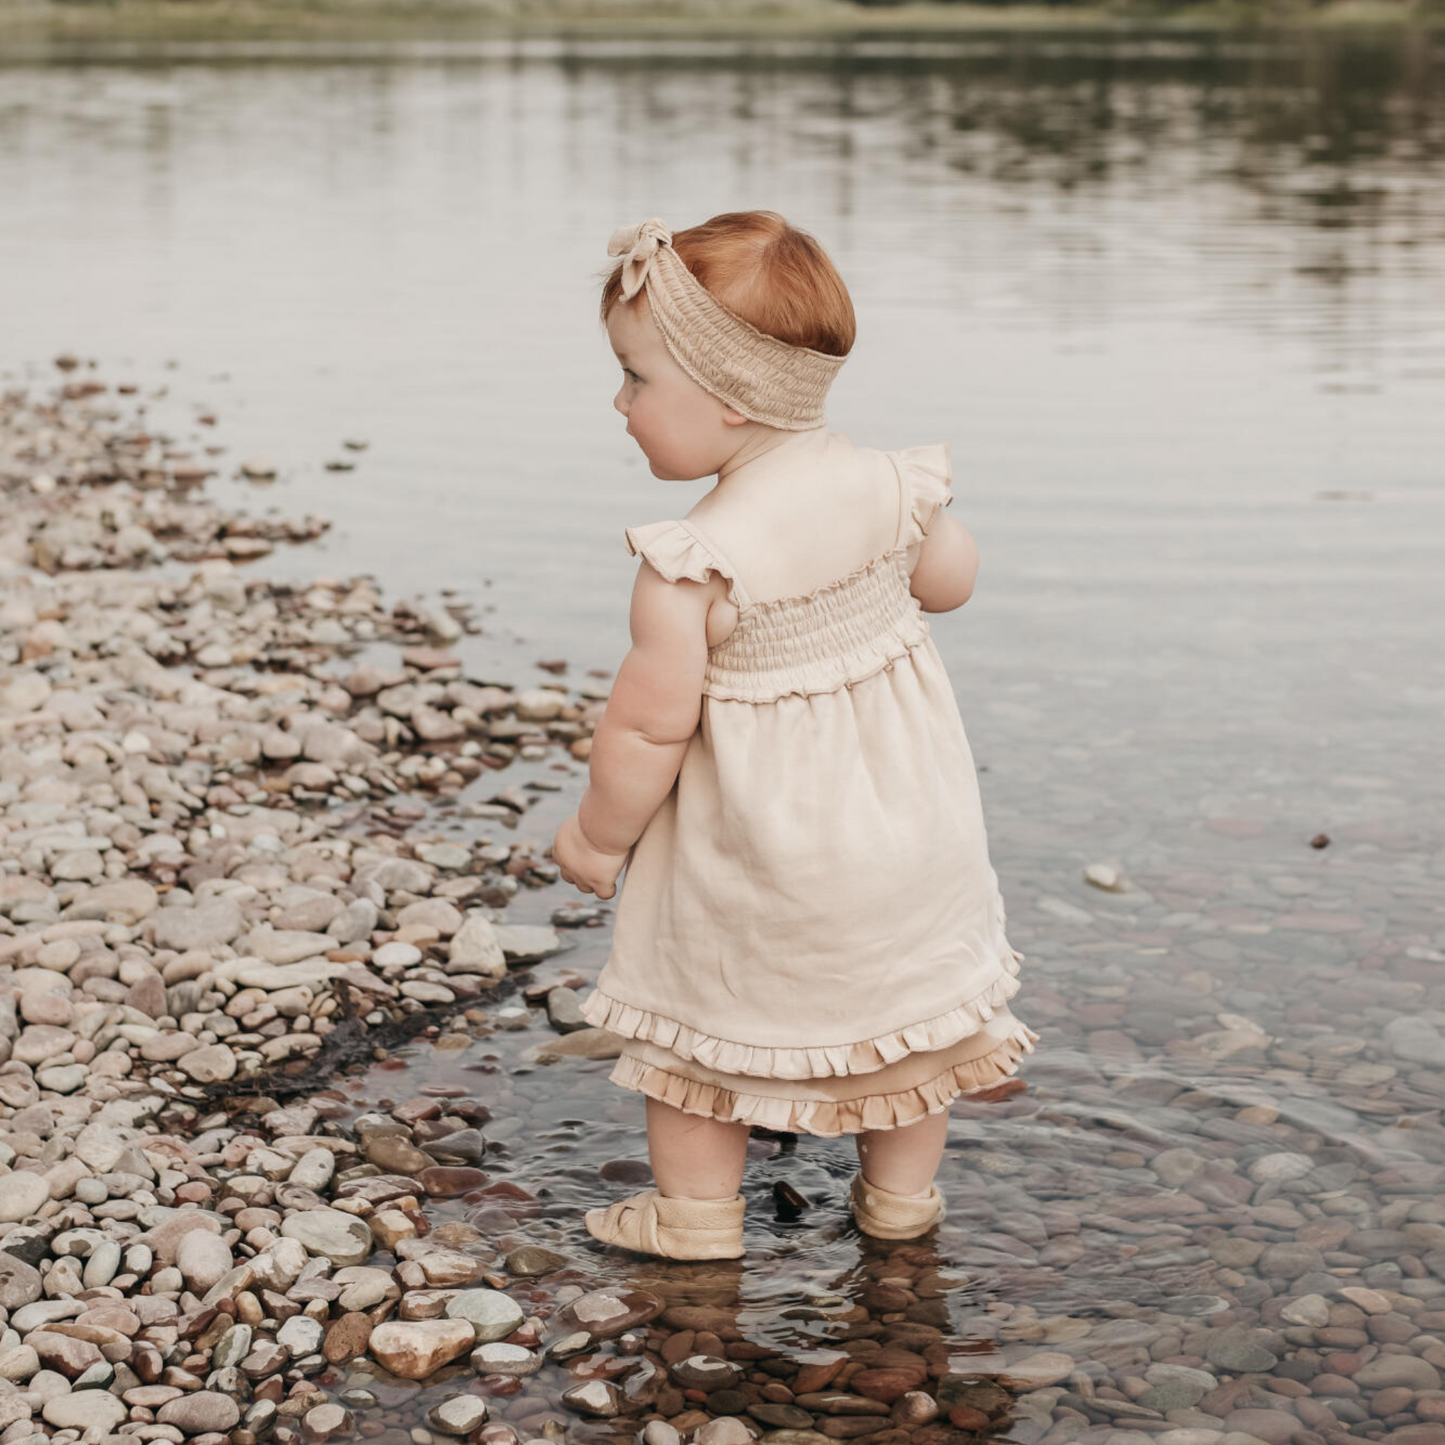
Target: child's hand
584, 866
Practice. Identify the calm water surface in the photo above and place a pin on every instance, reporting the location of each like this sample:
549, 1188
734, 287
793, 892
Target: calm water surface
1176, 304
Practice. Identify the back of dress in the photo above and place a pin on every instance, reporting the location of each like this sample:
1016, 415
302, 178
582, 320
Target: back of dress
814, 897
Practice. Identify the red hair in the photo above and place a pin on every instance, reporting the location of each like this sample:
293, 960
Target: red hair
773, 275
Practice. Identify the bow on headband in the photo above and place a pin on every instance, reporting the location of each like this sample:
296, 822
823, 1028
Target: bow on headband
639, 244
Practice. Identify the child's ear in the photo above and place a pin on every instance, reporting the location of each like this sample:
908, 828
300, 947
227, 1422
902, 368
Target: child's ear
733, 418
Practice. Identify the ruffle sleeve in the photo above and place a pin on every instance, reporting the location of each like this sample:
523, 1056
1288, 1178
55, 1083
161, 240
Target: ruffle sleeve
926, 473
676, 552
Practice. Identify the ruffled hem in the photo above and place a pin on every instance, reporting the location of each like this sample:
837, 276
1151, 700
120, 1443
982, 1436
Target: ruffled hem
829, 1118
865, 1056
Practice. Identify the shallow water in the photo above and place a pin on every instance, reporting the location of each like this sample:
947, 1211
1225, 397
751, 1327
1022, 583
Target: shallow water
1175, 303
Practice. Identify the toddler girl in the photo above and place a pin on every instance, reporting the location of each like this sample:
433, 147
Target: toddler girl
809, 936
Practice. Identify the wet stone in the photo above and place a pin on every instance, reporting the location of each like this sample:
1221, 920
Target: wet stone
593, 1397
448, 1181
458, 1416
605, 1313
417, 1349
1239, 1354
704, 1372
503, 1359
532, 1259
491, 1313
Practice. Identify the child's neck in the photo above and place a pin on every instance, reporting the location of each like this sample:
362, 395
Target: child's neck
751, 459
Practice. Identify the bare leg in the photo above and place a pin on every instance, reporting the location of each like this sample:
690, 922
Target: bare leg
904, 1161
694, 1157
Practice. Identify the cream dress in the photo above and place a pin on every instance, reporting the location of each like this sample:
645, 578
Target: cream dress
809, 934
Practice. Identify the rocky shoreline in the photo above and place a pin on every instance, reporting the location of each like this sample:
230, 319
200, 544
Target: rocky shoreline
210, 890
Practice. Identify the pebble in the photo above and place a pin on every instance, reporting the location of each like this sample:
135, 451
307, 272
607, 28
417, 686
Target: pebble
491, 1313
458, 1416
417, 1349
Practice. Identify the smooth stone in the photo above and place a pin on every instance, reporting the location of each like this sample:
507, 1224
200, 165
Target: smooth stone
86, 1410
416, 1350
215, 921
447, 1181
500, 1359
706, 1372
396, 1155
203, 1259
314, 1169
465, 1146
1409, 1371
325, 1422
232, 1347
300, 1335
20, 1283
212, 1064
458, 1416
21, 1195
533, 1259
342, 1238
607, 1313
491, 1313
202, 1413
1309, 1309
593, 1397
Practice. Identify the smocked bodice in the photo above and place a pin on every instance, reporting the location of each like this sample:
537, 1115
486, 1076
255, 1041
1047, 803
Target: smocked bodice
832, 637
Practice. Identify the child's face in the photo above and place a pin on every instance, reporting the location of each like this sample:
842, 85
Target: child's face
684, 431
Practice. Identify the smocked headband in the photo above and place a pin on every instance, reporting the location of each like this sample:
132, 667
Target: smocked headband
767, 380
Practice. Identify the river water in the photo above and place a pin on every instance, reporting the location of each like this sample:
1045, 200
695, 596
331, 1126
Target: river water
1175, 302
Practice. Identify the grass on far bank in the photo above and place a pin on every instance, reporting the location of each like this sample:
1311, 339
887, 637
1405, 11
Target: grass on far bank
203, 21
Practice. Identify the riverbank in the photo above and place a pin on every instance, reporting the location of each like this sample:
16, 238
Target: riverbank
223, 888
24, 22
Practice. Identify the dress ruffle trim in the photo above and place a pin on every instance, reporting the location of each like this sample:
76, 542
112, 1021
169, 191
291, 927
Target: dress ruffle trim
823, 1117
866, 1056
928, 483
675, 553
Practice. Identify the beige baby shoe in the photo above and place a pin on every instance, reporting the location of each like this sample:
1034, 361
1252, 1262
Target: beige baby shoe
893, 1216
652, 1223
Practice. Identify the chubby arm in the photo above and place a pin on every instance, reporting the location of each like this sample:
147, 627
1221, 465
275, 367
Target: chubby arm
652, 711
945, 564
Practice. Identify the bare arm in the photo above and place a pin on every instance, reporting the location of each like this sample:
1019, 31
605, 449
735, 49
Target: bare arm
652, 711
946, 566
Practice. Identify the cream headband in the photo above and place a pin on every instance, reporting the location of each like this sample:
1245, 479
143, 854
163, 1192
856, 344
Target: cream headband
767, 380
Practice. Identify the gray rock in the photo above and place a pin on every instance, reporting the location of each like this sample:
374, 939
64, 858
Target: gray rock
300, 1335
491, 1313
207, 924
499, 1359
341, 1238
19, 1283
1408, 1371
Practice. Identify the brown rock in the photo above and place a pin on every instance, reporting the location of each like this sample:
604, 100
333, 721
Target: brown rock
447, 1181
347, 1338
887, 1384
